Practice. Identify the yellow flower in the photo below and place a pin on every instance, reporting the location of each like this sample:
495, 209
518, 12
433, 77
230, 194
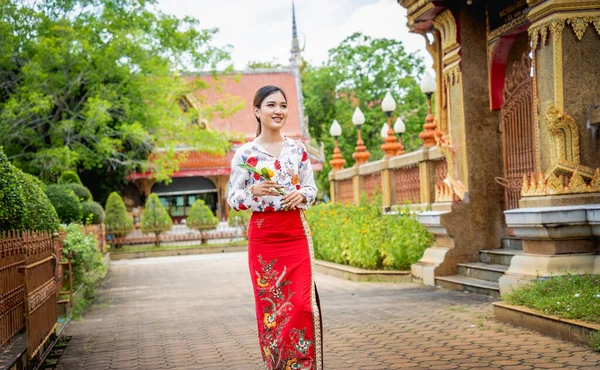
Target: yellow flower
288, 365
271, 173
269, 320
295, 180
262, 281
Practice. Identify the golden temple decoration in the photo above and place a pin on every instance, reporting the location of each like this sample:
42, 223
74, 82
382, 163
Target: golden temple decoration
451, 185
446, 24
556, 26
565, 136
452, 75
539, 186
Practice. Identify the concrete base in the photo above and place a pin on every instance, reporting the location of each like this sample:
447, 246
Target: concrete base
358, 274
562, 246
527, 267
559, 200
424, 270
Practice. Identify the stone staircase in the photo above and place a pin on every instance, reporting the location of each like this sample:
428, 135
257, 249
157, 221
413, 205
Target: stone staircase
482, 277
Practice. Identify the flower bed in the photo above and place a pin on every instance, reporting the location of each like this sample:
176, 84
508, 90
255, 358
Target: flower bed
363, 236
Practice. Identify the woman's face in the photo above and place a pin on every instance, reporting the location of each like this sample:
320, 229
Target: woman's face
272, 112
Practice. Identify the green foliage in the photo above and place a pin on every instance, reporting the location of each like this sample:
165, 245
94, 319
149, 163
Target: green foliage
92, 212
94, 85
65, 203
83, 251
201, 217
358, 73
81, 192
362, 236
594, 340
155, 218
118, 222
569, 296
39, 213
12, 203
241, 218
69, 177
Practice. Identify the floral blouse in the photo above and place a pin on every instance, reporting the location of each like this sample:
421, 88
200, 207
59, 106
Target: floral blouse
292, 170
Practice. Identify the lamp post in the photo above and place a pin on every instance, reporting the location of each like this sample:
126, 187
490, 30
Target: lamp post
399, 128
337, 162
360, 155
428, 87
390, 147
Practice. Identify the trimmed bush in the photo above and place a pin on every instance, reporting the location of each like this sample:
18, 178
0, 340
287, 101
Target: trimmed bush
65, 203
39, 212
83, 251
12, 202
155, 218
201, 217
117, 220
82, 193
69, 177
241, 218
92, 213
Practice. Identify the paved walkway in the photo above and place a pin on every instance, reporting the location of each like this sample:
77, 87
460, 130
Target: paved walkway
196, 312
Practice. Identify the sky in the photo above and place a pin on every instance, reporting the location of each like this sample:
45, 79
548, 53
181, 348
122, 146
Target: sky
261, 30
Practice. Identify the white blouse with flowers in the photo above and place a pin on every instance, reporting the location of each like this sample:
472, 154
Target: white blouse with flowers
292, 170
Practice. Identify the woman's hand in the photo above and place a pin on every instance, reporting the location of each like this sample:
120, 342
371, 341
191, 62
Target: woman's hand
293, 199
265, 188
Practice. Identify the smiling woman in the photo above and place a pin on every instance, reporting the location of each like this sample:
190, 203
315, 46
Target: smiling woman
272, 176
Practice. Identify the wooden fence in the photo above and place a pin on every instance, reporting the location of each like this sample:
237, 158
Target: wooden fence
30, 279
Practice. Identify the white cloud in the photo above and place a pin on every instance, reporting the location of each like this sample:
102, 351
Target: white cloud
260, 30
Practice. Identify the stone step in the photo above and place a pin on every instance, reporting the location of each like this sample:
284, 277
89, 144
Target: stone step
482, 271
500, 256
512, 243
469, 284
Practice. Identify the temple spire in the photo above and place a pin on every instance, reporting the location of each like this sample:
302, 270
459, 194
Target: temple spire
295, 51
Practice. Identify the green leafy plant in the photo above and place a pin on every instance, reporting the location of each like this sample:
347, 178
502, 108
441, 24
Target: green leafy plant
82, 250
93, 211
363, 236
155, 218
118, 222
69, 177
82, 193
39, 212
65, 203
201, 217
241, 218
12, 203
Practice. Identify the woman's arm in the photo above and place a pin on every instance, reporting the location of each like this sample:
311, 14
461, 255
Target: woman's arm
240, 196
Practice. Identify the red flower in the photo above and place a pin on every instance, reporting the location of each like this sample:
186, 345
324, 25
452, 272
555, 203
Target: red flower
242, 207
304, 156
256, 177
252, 161
256, 199
269, 209
298, 187
277, 165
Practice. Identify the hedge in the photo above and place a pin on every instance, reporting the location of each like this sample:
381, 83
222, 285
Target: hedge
92, 213
39, 212
82, 193
65, 202
12, 202
69, 177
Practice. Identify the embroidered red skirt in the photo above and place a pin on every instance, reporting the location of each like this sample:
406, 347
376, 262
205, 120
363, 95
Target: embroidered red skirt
280, 257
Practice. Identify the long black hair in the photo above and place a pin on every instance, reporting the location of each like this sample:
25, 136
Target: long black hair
260, 96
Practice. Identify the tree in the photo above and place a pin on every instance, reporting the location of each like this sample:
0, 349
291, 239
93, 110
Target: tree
201, 217
155, 218
65, 203
118, 222
95, 85
359, 72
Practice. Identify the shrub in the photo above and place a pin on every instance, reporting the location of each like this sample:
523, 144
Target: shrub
241, 218
39, 212
201, 217
81, 192
12, 203
65, 203
69, 177
362, 236
92, 213
83, 251
117, 220
155, 218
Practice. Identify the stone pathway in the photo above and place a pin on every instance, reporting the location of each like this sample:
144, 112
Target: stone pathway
196, 312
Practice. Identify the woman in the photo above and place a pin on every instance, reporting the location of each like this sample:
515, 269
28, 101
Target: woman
280, 252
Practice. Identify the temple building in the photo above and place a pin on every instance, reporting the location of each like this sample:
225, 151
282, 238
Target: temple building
205, 176
508, 178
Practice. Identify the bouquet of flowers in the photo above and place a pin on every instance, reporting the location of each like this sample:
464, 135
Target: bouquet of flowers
265, 173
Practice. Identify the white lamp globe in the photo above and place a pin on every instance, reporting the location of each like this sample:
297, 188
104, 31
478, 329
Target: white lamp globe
428, 85
399, 126
384, 130
358, 118
336, 129
388, 104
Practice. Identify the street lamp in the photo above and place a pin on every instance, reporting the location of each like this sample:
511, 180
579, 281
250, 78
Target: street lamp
428, 87
337, 162
360, 155
384, 130
399, 128
390, 147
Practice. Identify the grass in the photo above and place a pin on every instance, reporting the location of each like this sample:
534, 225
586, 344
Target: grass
151, 248
575, 297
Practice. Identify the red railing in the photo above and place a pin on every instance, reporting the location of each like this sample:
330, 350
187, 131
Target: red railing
372, 184
346, 191
408, 184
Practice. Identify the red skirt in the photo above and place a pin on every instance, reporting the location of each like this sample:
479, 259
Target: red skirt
280, 257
